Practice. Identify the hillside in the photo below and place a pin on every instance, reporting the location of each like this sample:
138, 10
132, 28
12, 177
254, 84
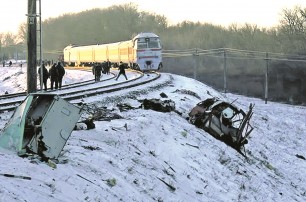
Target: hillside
161, 157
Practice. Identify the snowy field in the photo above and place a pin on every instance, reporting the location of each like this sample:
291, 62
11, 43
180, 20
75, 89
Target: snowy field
154, 156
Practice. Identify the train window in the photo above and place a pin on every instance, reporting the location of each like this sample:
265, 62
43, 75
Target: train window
153, 44
148, 43
141, 45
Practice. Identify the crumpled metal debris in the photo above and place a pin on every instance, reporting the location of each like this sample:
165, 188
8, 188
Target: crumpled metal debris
159, 105
223, 120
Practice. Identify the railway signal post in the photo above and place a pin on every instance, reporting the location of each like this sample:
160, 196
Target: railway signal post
31, 42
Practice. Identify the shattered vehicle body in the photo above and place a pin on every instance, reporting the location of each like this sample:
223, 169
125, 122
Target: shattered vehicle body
41, 124
223, 120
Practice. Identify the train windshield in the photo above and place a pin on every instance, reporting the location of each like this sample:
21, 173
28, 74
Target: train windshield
153, 44
143, 43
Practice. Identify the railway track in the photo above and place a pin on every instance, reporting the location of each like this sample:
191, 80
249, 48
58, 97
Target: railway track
83, 89
10, 100
66, 86
4, 98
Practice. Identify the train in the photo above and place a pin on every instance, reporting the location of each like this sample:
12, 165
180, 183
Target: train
143, 52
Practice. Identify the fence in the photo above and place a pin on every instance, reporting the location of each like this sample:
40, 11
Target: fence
270, 76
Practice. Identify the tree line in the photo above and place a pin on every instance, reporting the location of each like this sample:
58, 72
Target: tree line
122, 22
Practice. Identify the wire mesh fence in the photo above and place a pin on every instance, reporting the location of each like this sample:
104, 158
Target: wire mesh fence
270, 76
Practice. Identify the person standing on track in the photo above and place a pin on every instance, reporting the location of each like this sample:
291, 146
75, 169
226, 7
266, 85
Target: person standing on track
107, 66
121, 71
54, 76
45, 76
61, 73
96, 70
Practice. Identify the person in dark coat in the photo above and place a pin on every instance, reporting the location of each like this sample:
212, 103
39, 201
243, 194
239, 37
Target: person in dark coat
45, 76
103, 67
93, 69
121, 71
61, 73
107, 66
54, 76
96, 70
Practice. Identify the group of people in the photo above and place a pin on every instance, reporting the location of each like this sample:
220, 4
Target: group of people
10, 63
99, 68
55, 73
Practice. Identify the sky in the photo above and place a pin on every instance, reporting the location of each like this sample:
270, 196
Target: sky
219, 12
133, 158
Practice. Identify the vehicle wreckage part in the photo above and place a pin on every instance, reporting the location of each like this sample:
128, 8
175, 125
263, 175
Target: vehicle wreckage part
223, 120
16, 176
41, 124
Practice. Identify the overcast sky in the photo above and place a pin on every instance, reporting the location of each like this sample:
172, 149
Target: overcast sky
265, 13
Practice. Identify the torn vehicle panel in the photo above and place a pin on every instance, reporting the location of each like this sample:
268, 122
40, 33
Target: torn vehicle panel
223, 120
41, 124
158, 105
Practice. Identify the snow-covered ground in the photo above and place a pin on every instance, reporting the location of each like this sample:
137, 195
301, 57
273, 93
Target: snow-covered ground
13, 79
134, 158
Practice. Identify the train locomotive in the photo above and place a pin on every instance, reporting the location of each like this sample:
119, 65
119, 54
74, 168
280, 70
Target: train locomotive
143, 52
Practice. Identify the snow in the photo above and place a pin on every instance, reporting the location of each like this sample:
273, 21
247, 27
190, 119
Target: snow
133, 163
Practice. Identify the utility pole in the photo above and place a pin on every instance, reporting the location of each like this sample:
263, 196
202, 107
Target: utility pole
31, 42
40, 48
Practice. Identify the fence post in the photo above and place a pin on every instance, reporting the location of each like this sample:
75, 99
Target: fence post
266, 78
224, 72
195, 68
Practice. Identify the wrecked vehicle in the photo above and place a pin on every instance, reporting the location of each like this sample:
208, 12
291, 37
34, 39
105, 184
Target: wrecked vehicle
223, 120
41, 124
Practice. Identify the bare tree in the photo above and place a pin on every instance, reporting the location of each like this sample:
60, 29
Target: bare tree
292, 29
293, 21
8, 41
22, 33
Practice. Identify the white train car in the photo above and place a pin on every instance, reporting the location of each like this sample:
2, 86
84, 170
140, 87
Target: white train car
143, 52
